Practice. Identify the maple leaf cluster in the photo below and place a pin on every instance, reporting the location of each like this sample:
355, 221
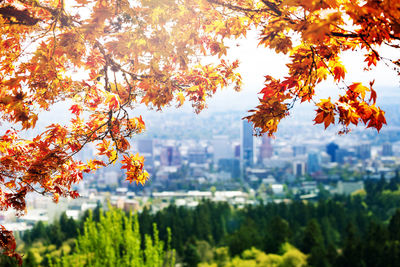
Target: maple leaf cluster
315, 34
103, 58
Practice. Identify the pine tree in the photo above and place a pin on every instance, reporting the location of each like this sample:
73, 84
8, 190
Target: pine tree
394, 226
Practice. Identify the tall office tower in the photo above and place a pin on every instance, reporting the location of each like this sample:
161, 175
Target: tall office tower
299, 168
231, 166
247, 145
236, 151
313, 162
266, 149
331, 150
170, 156
387, 150
340, 155
197, 155
222, 148
364, 150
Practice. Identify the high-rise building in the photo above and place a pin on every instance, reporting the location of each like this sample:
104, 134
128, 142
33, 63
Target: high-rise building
170, 156
313, 162
299, 168
247, 144
364, 150
236, 151
266, 149
197, 155
340, 155
331, 150
231, 166
387, 150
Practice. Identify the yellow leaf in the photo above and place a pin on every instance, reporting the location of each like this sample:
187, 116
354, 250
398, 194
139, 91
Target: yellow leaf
181, 98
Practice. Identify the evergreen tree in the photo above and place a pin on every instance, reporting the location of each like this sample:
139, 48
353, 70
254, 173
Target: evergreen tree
312, 236
318, 257
278, 232
352, 254
394, 226
245, 237
313, 243
56, 235
191, 256
68, 226
38, 232
374, 245
30, 260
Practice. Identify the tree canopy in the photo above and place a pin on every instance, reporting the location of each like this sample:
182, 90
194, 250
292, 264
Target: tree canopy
106, 57
102, 58
315, 34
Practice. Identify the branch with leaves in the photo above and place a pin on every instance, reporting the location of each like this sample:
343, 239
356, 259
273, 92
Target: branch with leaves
103, 58
315, 33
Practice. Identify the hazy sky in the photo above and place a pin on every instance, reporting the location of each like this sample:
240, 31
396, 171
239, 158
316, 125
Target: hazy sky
256, 62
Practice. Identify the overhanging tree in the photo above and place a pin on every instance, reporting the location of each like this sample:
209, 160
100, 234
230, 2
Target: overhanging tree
102, 58
315, 33
105, 57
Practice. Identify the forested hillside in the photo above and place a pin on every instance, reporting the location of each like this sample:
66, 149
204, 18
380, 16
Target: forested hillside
358, 230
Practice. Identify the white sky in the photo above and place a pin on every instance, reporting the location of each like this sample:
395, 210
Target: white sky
256, 62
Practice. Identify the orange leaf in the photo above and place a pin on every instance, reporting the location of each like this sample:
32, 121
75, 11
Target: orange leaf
339, 73
76, 109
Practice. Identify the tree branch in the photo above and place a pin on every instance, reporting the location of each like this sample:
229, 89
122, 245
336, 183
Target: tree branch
15, 16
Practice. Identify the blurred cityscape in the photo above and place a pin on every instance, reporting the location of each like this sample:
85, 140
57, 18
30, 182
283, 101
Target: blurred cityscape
216, 156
